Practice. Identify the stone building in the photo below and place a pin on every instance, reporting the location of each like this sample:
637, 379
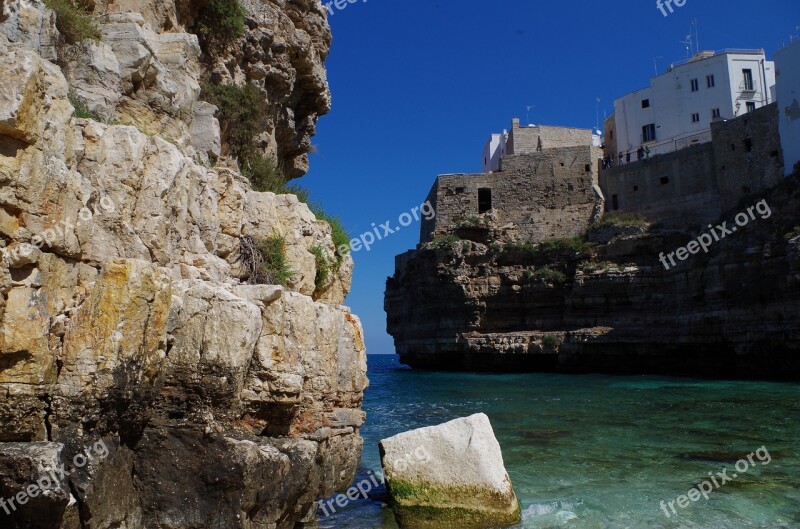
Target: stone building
696, 185
545, 186
531, 139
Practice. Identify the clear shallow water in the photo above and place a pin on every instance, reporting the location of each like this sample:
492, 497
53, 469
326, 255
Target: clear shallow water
601, 452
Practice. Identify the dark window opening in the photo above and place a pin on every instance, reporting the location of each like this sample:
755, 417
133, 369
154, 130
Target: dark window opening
614, 202
562, 164
774, 154
484, 200
645, 103
748, 79
588, 167
664, 180
733, 146
649, 133
636, 188
611, 134
748, 144
751, 107
460, 190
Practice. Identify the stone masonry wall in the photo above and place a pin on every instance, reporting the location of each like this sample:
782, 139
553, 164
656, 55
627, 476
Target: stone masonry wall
543, 195
695, 185
526, 140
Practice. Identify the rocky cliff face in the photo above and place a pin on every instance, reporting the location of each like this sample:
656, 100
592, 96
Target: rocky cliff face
128, 321
477, 302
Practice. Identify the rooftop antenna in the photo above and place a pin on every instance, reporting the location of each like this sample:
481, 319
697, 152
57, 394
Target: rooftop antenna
696, 35
689, 46
655, 63
597, 115
528, 114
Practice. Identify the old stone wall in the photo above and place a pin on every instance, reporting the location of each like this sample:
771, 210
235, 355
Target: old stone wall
693, 186
542, 195
747, 154
526, 140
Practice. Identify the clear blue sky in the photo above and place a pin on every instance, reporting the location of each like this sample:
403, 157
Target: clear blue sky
418, 85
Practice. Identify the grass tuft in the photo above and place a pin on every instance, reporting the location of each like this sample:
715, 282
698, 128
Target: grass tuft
266, 261
74, 20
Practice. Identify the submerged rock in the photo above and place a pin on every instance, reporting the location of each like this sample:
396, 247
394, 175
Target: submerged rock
449, 476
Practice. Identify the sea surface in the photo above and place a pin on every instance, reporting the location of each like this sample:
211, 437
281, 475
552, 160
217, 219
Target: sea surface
602, 452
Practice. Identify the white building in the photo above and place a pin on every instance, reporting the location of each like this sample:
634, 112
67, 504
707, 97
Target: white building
494, 150
677, 109
787, 64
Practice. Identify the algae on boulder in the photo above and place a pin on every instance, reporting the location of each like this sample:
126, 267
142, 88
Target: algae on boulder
462, 482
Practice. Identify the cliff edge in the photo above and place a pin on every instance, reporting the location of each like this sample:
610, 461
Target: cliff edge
147, 379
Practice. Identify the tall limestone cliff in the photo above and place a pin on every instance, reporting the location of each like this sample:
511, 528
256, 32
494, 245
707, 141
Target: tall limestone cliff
129, 318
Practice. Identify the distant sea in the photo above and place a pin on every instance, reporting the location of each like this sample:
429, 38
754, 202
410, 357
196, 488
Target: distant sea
602, 452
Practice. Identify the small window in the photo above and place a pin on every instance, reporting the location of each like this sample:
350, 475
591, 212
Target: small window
460, 190
715, 113
751, 106
645, 103
695, 118
636, 188
484, 200
733, 146
614, 202
748, 80
649, 133
611, 134
748, 145
588, 167
695, 85
664, 180
710, 81
773, 154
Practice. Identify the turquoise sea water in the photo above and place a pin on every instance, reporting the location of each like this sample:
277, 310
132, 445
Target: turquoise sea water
602, 452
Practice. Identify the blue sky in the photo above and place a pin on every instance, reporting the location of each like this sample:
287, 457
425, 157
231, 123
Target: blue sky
418, 86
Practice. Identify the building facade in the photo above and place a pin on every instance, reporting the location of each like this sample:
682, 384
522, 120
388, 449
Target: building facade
787, 64
532, 139
677, 109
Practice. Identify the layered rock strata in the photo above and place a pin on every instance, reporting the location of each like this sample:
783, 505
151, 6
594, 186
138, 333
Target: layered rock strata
476, 301
127, 315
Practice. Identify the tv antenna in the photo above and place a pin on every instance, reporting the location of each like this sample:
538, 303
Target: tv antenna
689, 46
655, 63
597, 114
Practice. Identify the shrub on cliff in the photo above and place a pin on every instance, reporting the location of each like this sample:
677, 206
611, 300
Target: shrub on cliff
74, 20
265, 260
240, 111
548, 275
325, 266
219, 23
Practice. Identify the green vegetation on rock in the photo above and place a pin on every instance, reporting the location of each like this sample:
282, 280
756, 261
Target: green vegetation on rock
220, 23
265, 260
74, 20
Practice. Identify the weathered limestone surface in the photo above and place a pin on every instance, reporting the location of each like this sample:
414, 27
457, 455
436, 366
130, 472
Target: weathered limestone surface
125, 312
462, 482
485, 305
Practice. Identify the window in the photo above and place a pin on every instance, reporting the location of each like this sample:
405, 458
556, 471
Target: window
649, 133
715, 113
710, 81
751, 106
748, 79
615, 202
748, 144
588, 168
484, 200
695, 85
664, 180
611, 134
460, 190
645, 103
636, 188
695, 118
